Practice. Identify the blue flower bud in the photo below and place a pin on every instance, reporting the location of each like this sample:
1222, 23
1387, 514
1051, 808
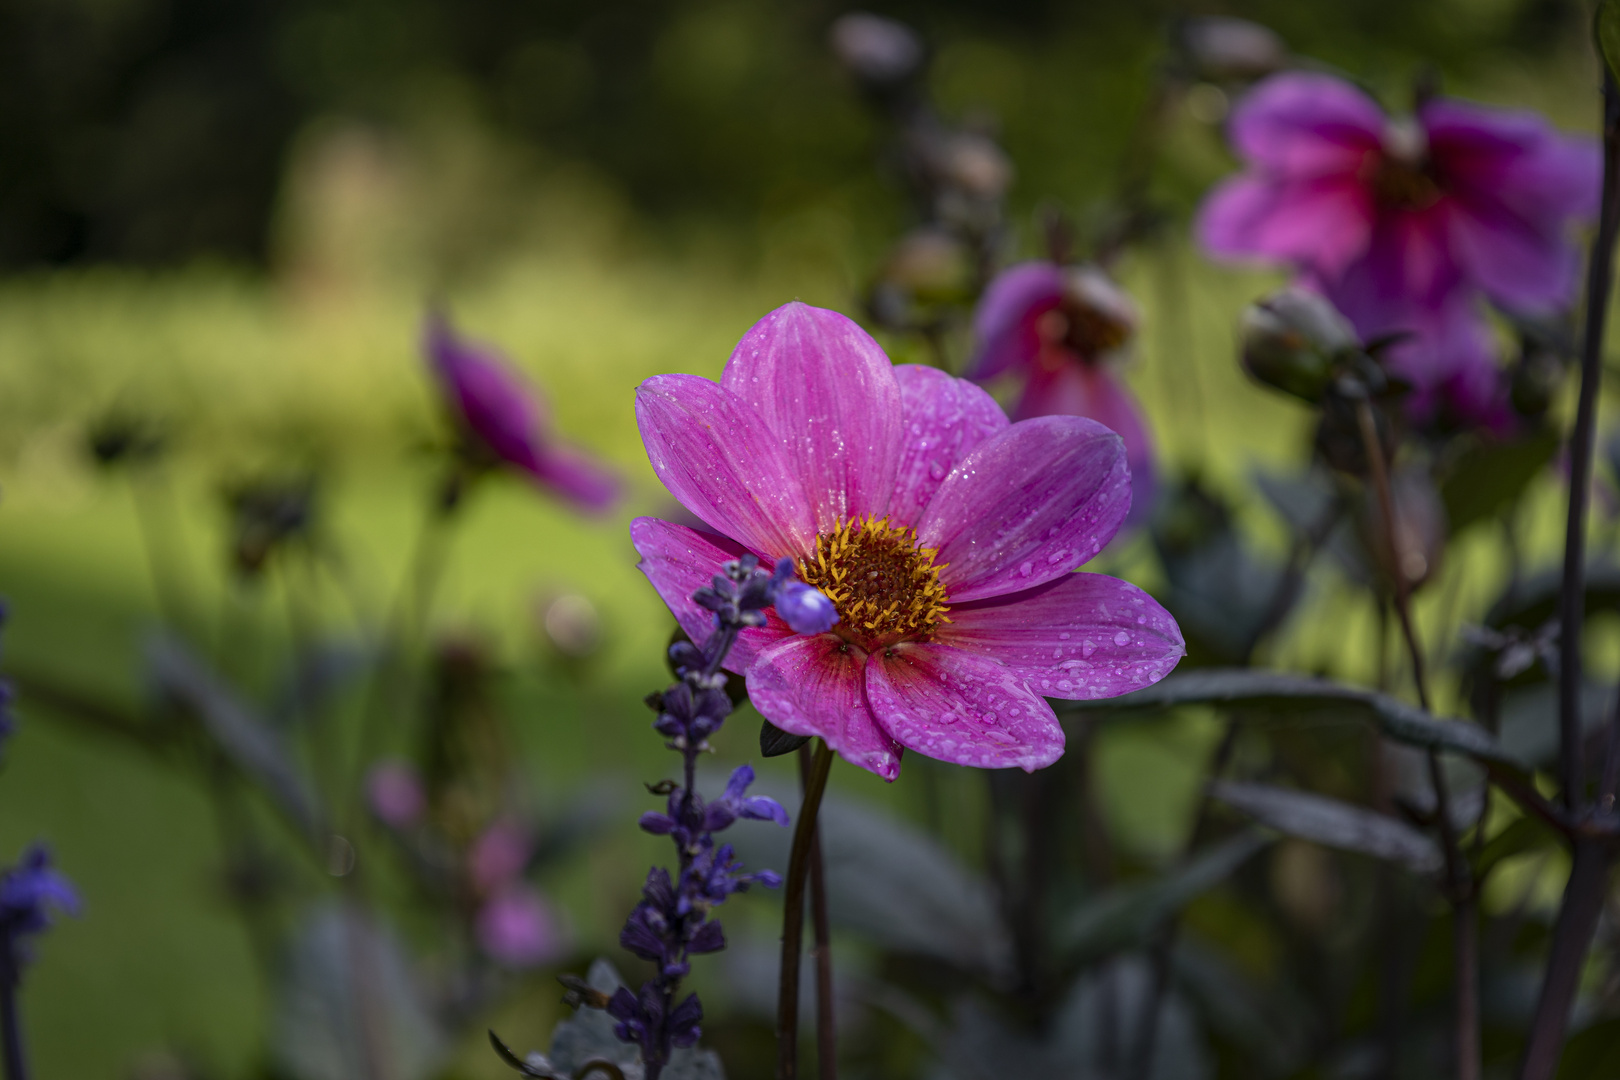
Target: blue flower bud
807, 610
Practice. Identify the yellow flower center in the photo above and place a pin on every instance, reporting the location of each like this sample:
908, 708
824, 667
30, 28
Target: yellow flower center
886, 588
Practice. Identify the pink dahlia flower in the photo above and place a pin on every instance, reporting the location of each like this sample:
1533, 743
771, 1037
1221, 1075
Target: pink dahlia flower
945, 535
503, 420
1064, 331
1406, 222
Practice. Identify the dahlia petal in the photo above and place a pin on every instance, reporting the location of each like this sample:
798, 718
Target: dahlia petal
1096, 391
1081, 636
578, 477
1516, 157
943, 419
1004, 323
825, 389
495, 402
1520, 263
959, 707
716, 455
1320, 222
1304, 124
679, 561
1034, 502
817, 686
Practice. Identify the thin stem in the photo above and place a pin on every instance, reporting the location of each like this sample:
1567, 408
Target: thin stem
826, 1018
1588, 878
787, 999
1458, 888
11, 1048
1572, 937
1572, 608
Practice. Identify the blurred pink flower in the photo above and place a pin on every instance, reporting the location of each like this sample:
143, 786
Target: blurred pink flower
395, 793
1063, 330
498, 856
504, 418
1406, 222
518, 928
946, 536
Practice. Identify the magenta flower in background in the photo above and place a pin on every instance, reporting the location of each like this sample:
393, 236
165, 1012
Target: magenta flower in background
503, 420
395, 793
499, 855
518, 929
944, 534
1064, 331
1405, 223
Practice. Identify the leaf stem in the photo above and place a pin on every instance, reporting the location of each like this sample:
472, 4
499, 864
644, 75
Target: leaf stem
787, 997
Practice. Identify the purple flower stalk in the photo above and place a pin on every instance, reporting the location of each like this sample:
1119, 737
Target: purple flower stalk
1064, 331
944, 537
28, 892
1407, 222
672, 923
502, 421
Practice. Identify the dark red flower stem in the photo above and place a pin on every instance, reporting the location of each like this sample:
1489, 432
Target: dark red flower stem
1459, 885
1572, 607
787, 995
1589, 874
826, 1018
11, 1049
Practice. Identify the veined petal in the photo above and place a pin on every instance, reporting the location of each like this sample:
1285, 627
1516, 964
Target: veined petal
943, 419
679, 561
1096, 391
1004, 323
817, 686
827, 392
720, 460
959, 707
1032, 503
1081, 636
1305, 124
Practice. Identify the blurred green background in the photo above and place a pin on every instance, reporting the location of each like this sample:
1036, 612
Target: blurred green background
229, 214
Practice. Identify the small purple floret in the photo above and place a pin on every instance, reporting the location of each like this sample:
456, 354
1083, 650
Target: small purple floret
805, 608
28, 893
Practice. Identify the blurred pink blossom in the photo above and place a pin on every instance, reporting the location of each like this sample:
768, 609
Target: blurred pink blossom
1407, 222
518, 928
395, 793
498, 856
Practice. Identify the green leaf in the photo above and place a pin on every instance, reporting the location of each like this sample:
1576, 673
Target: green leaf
1489, 475
774, 742
1127, 916
1332, 823
1281, 691
1606, 31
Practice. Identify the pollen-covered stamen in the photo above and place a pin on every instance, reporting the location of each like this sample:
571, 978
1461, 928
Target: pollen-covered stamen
886, 588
